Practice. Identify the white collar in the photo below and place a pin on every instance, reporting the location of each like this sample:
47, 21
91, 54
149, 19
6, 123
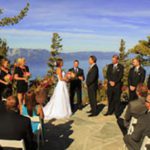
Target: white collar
76, 68
115, 65
92, 65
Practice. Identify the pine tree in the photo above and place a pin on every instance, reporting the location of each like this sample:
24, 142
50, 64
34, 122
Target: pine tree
124, 61
122, 54
10, 21
14, 20
142, 50
56, 48
3, 48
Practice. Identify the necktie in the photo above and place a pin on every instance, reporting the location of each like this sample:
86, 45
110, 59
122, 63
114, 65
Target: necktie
114, 68
136, 69
76, 70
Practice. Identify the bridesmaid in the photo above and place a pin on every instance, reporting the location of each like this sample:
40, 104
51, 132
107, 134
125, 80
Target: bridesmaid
5, 76
21, 75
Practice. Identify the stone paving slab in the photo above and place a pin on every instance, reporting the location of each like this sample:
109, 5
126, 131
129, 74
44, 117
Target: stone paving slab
81, 132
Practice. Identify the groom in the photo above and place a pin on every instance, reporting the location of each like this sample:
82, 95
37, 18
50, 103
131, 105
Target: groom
92, 85
76, 85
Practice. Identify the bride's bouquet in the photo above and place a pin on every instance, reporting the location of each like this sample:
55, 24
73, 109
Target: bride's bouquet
8, 78
70, 75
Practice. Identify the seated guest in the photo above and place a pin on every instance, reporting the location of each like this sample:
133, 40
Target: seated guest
14, 126
30, 108
142, 129
135, 108
6, 93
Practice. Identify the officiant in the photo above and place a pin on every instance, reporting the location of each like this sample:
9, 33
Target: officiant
76, 85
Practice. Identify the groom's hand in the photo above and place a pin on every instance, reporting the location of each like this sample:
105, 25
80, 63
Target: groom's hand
80, 78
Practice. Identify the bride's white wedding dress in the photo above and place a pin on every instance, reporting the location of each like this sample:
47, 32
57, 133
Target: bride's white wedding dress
59, 105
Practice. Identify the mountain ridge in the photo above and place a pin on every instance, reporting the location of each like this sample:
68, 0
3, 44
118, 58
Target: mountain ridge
38, 56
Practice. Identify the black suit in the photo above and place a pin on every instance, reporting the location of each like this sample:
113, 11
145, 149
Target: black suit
76, 87
148, 83
135, 78
16, 127
114, 74
142, 129
92, 86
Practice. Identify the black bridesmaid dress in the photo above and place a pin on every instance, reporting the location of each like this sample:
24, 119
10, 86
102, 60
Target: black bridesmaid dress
22, 86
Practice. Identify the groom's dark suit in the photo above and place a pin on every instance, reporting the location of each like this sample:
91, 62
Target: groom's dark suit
76, 87
92, 86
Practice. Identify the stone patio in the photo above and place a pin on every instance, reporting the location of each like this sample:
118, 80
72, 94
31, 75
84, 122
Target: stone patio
81, 132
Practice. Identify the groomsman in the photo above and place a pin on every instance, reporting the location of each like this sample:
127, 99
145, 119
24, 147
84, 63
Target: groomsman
114, 77
136, 76
92, 85
76, 85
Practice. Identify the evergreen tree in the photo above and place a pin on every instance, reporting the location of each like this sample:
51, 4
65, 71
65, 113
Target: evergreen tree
3, 48
122, 54
14, 20
124, 61
142, 50
56, 48
10, 21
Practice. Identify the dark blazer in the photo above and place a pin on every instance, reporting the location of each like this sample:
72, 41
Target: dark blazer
16, 127
92, 77
135, 78
2, 106
148, 82
142, 129
115, 75
76, 82
135, 109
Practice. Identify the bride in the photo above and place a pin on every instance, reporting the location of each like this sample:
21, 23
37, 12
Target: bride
59, 105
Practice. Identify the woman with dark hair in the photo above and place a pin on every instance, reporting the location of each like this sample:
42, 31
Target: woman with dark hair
31, 108
5, 76
21, 75
59, 105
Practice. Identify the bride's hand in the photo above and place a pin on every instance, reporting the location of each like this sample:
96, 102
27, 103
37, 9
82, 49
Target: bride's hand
66, 79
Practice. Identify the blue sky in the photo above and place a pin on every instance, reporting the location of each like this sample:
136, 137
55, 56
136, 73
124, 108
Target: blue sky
84, 25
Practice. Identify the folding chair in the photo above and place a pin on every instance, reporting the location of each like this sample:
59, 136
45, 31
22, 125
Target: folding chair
40, 132
13, 144
146, 141
131, 126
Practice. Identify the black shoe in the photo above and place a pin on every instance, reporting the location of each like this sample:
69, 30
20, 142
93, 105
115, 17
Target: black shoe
80, 107
90, 111
92, 115
107, 114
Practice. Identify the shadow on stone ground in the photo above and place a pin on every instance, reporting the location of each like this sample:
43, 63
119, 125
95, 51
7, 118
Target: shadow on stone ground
57, 136
81, 132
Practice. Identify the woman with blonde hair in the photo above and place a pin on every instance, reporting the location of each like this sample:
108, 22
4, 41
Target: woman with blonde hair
21, 75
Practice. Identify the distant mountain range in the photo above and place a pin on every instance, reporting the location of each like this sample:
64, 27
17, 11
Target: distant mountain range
38, 57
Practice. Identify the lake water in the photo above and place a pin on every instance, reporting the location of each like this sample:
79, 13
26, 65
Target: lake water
41, 70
